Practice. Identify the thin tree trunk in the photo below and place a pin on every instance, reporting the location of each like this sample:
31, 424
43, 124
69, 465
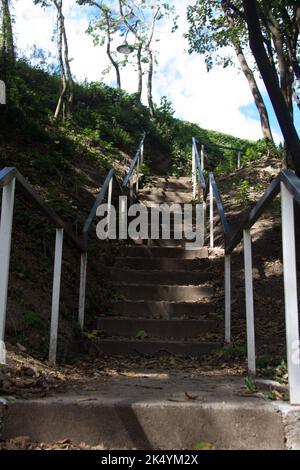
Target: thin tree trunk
285, 74
140, 71
70, 82
269, 76
149, 83
60, 108
258, 99
108, 50
7, 40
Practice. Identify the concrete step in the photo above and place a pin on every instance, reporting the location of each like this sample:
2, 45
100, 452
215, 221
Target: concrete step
170, 293
161, 309
166, 264
175, 329
160, 197
159, 277
126, 347
153, 412
171, 242
162, 252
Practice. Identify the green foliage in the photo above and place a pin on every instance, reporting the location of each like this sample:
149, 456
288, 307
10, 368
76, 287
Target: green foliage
251, 387
33, 319
242, 195
107, 120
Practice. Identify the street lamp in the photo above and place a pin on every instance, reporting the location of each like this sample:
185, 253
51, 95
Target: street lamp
125, 48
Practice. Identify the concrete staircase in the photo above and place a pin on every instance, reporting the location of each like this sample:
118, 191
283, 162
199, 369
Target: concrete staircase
163, 291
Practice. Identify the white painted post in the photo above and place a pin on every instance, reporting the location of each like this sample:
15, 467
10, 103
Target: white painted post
204, 217
227, 299
142, 153
2, 92
82, 289
290, 294
211, 214
138, 173
239, 160
109, 197
8, 197
131, 193
202, 157
249, 303
194, 175
56, 294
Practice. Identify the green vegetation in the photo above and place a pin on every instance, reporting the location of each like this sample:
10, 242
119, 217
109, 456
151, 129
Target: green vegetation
105, 121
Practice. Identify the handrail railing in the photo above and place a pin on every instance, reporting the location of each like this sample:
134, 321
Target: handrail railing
136, 162
8, 179
288, 185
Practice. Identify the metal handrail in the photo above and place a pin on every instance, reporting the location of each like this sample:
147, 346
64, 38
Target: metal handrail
199, 166
288, 184
8, 174
8, 179
135, 162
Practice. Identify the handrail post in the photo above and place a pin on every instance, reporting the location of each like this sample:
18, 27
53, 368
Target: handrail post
227, 299
56, 294
194, 175
290, 294
131, 191
202, 157
239, 160
138, 172
211, 214
142, 153
7, 209
249, 303
82, 290
109, 198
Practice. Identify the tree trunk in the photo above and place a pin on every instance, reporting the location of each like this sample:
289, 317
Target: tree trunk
6, 38
269, 76
60, 107
108, 50
70, 83
150, 83
140, 71
258, 99
285, 73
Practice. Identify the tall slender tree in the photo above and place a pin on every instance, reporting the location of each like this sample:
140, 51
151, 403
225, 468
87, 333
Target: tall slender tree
269, 74
7, 47
213, 26
66, 98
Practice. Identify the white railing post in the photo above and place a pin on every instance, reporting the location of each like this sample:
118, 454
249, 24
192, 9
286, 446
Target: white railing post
138, 173
82, 289
227, 298
249, 303
202, 157
239, 160
290, 294
131, 192
194, 175
7, 209
109, 198
56, 294
211, 214
142, 153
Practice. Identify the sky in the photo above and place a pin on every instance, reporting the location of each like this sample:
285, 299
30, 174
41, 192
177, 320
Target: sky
219, 100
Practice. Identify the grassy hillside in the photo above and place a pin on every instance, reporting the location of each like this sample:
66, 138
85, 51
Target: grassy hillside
66, 164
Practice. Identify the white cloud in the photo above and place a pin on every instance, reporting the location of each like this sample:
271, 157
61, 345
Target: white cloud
211, 99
